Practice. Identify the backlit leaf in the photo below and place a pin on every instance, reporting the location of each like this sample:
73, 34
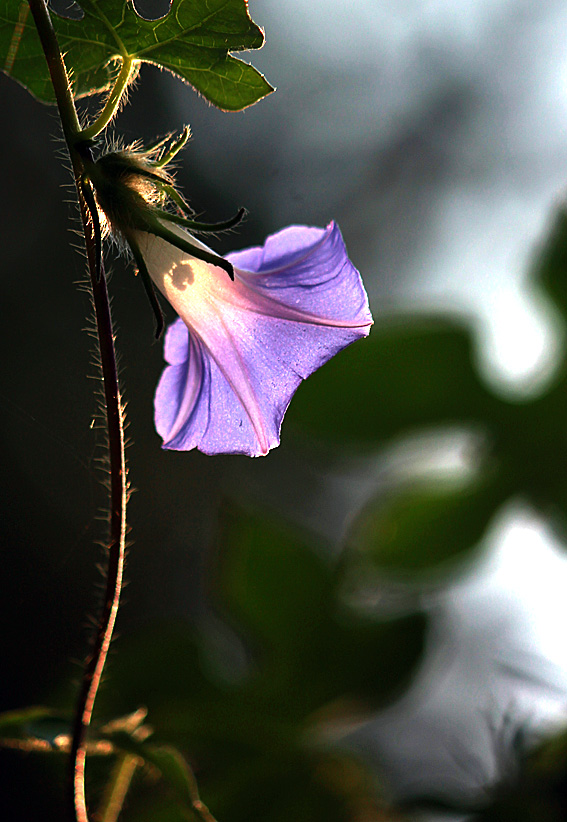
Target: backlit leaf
194, 41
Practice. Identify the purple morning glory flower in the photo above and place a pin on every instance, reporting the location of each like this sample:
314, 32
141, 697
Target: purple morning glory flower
240, 348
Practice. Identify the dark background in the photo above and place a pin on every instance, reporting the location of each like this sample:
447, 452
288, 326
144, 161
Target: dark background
386, 120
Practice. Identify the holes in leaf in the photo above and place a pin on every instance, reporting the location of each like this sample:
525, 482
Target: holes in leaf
67, 8
152, 9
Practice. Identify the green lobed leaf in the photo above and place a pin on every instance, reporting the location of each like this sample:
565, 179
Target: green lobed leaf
194, 41
427, 524
410, 373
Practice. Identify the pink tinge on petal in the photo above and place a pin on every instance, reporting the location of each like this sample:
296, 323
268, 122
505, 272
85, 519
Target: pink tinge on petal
304, 274
241, 348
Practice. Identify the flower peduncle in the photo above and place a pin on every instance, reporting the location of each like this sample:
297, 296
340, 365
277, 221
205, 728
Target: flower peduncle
126, 75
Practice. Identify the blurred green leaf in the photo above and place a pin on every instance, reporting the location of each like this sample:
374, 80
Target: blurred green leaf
427, 524
275, 789
17, 722
193, 41
148, 805
369, 659
36, 722
415, 374
410, 373
257, 740
550, 269
315, 648
171, 766
271, 582
155, 669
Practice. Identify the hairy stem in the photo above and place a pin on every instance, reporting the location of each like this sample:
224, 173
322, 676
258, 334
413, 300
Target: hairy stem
114, 419
57, 70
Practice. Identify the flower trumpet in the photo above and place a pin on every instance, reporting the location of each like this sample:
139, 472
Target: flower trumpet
251, 326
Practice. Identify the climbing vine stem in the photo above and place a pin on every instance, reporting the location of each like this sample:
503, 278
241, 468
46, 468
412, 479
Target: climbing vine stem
79, 152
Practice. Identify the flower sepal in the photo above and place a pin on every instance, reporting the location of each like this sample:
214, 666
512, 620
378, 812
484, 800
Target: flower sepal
129, 191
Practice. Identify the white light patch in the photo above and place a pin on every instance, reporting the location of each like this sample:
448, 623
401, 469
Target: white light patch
525, 576
522, 341
477, 261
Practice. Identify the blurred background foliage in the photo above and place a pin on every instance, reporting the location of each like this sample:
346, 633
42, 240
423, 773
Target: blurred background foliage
282, 615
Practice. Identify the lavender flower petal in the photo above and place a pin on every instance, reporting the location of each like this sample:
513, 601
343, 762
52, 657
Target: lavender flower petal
240, 349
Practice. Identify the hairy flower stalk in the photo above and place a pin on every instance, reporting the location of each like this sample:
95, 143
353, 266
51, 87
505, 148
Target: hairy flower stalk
251, 326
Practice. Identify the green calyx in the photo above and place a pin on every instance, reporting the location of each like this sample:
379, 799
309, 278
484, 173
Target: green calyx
129, 190
134, 189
